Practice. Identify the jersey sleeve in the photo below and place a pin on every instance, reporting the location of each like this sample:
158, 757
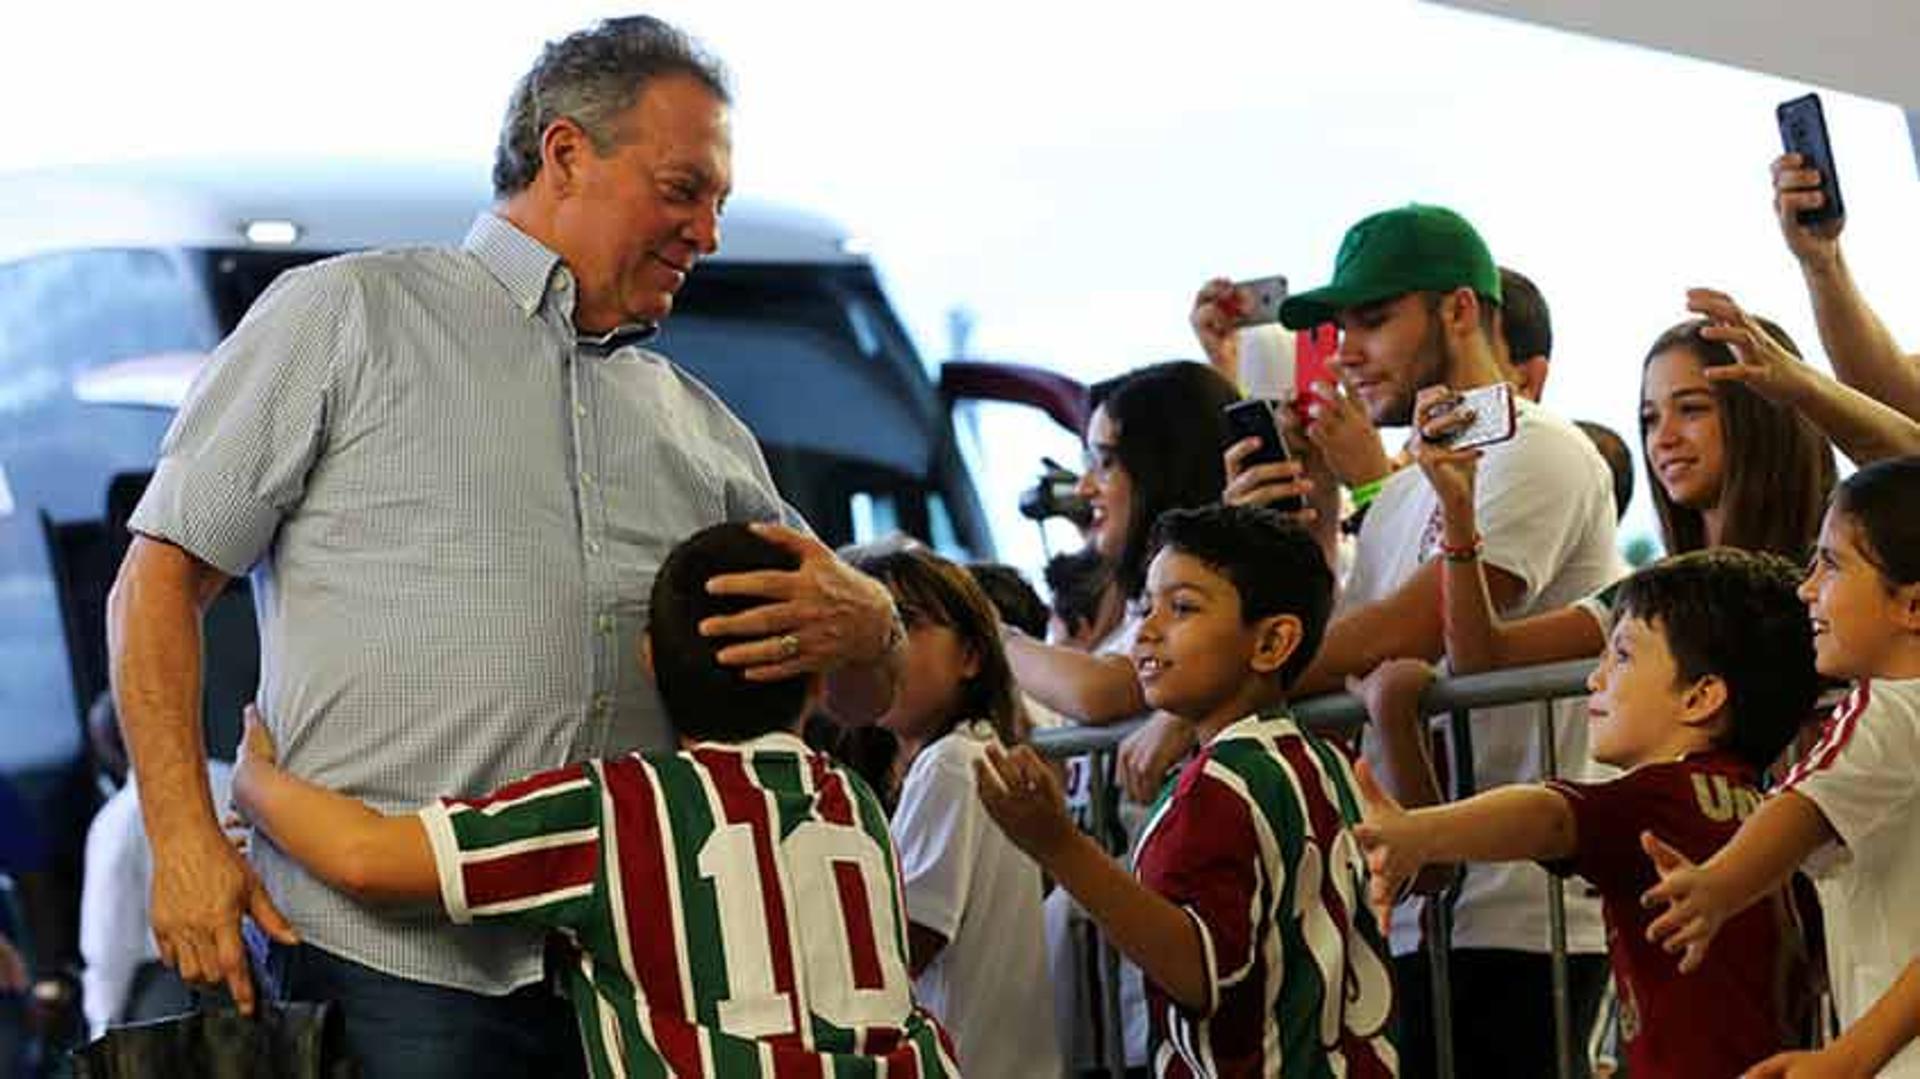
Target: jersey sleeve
1860, 775
236, 459
529, 851
935, 832
1204, 857
1608, 819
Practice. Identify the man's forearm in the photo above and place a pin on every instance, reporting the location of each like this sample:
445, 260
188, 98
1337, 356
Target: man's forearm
153, 637
1864, 353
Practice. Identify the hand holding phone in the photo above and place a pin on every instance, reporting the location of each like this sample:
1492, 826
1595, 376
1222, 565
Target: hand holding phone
1254, 418
1803, 131
1491, 418
1257, 302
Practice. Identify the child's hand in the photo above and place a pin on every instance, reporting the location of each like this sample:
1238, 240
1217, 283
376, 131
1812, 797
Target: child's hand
1695, 910
256, 742
1825, 1064
1022, 795
1451, 473
1389, 837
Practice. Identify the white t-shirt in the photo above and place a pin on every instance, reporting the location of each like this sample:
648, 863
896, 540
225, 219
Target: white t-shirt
1544, 504
1863, 776
965, 880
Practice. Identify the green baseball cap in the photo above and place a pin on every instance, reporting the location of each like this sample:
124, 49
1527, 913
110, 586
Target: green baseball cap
1413, 248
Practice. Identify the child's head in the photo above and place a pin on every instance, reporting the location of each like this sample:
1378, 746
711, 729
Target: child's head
1013, 599
706, 700
1707, 648
1237, 601
1720, 448
1863, 592
1080, 581
956, 668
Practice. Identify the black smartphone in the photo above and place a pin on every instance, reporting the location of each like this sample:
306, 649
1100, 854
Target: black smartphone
1803, 131
1253, 418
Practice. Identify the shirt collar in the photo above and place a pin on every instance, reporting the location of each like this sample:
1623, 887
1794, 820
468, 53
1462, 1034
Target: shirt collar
533, 274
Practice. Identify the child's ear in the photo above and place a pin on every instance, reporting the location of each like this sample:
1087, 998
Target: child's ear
646, 655
1703, 701
1906, 600
1278, 637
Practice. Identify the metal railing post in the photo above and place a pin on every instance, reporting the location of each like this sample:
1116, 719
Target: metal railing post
1557, 922
1099, 795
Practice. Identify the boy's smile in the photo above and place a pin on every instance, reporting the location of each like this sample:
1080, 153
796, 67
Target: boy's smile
1196, 656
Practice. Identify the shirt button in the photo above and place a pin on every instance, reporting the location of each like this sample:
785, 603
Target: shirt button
593, 546
580, 411
605, 623
601, 704
586, 479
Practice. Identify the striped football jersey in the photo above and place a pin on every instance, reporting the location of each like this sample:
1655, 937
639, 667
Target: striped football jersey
1252, 841
737, 910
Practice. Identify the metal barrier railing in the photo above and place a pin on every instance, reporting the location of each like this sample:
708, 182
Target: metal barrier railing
1343, 713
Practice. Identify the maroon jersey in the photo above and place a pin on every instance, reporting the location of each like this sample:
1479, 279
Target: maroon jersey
1749, 997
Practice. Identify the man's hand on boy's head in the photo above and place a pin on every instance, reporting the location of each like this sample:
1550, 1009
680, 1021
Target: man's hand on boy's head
1389, 837
1023, 796
1695, 908
819, 617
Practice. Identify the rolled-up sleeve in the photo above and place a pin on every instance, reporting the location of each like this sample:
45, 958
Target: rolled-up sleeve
236, 460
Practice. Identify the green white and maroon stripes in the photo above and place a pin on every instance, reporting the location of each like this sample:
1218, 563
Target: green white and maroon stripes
742, 914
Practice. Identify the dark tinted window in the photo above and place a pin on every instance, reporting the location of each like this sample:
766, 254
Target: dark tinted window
60, 316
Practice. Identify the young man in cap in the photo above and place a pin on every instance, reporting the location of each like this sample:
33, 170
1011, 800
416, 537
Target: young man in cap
1416, 295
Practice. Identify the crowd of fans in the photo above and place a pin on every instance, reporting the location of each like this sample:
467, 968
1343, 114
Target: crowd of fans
1279, 890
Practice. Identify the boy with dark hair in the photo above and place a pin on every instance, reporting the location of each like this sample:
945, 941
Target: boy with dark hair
735, 905
1707, 674
1255, 967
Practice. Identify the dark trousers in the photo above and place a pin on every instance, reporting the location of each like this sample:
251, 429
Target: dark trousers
1502, 1012
398, 1029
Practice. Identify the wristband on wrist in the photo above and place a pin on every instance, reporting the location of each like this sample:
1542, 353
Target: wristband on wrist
1364, 493
1467, 553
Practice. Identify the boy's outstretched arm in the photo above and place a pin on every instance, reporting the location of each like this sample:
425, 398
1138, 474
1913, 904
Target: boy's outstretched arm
1757, 860
1507, 824
341, 840
1863, 1048
1023, 797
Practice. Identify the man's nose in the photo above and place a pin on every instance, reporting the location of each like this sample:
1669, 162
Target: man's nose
703, 232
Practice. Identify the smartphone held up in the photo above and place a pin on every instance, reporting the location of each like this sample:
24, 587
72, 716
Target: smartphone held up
1256, 418
1491, 417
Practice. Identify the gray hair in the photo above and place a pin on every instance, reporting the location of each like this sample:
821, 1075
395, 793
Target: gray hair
591, 77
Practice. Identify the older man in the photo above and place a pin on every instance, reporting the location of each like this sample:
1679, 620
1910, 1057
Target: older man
453, 473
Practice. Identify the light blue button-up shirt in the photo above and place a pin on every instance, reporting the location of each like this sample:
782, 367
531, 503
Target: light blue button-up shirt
453, 510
